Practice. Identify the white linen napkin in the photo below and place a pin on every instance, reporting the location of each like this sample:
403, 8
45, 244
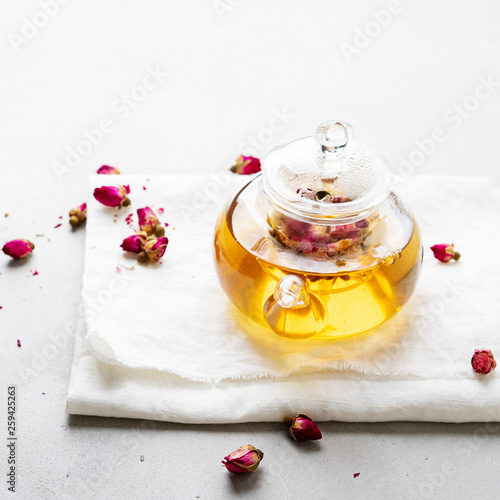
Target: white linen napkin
163, 341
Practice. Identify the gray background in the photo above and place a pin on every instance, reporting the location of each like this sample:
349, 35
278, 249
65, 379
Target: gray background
232, 66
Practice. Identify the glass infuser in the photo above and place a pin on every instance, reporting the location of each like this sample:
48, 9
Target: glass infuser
319, 245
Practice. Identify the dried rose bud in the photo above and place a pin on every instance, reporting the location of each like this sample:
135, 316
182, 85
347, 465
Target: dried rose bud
134, 243
78, 215
483, 361
339, 198
18, 249
142, 257
147, 220
159, 231
303, 428
112, 196
445, 252
243, 460
107, 170
246, 165
155, 248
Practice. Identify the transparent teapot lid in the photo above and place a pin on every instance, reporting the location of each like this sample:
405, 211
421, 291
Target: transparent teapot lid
328, 175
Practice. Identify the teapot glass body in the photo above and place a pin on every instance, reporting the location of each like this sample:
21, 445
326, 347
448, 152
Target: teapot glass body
334, 292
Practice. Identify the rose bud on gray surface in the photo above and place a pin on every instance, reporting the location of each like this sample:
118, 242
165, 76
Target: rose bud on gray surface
78, 215
108, 170
246, 165
302, 428
18, 249
243, 460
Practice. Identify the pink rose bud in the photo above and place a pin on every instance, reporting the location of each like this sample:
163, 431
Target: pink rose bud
155, 248
147, 220
134, 243
112, 196
78, 215
246, 165
243, 460
445, 252
18, 249
304, 429
107, 170
483, 361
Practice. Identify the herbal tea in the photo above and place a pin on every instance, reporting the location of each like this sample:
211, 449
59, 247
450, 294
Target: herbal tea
343, 297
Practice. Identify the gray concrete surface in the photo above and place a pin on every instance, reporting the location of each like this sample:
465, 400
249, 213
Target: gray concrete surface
229, 74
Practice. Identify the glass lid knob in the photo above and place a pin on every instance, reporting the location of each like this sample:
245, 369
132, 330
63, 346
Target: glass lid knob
331, 138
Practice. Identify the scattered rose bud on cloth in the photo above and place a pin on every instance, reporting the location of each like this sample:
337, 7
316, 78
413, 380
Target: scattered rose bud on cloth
445, 252
246, 165
155, 248
150, 242
243, 460
107, 170
18, 249
134, 243
78, 215
148, 222
112, 196
483, 361
303, 428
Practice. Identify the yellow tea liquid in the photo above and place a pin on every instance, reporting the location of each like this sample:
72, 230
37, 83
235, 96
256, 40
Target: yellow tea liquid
342, 303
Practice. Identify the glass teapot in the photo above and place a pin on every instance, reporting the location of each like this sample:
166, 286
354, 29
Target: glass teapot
318, 244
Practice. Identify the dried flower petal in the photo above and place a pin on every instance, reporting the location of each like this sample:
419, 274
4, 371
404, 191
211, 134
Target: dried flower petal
147, 219
356, 474
18, 249
304, 429
483, 361
78, 215
155, 248
445, 252
134, 243
107, 170
112, 196
246, 165
243, 460
129, 219
18, 343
